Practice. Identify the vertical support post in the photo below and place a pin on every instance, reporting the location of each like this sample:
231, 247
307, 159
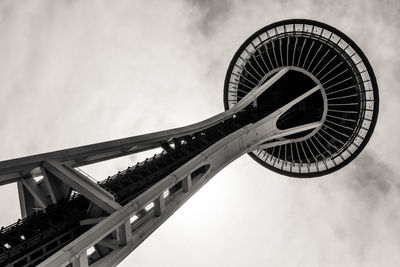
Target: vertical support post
125, 233
159, 205
81, 260
187, 183
25, 200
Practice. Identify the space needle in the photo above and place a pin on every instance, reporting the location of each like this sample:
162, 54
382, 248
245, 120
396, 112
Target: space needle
300, 98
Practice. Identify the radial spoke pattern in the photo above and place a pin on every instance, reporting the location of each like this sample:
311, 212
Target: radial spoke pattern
347, 80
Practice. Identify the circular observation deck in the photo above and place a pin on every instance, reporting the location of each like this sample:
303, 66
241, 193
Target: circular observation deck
347, 103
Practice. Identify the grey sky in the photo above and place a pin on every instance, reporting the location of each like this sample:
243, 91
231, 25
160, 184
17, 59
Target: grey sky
80, 72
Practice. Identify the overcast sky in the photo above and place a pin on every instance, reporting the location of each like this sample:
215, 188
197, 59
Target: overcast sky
79, 72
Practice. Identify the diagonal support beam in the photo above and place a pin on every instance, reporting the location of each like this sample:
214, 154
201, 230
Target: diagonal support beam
39, 196
25, 200
91, 221
56, 188
83, 185
278, 133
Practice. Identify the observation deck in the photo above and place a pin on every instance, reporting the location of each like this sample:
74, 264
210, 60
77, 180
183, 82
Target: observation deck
346, 104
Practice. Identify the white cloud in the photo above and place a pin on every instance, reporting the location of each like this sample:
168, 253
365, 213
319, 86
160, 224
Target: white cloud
74, 73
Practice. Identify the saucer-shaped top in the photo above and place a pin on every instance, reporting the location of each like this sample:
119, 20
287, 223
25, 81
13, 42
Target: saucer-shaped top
317, 54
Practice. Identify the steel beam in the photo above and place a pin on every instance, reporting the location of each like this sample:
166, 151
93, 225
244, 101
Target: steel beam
55, 187
31, 196
91, 221
38, 195
83, 185
25, 200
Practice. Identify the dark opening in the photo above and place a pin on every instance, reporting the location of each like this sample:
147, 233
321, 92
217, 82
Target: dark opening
200, 171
